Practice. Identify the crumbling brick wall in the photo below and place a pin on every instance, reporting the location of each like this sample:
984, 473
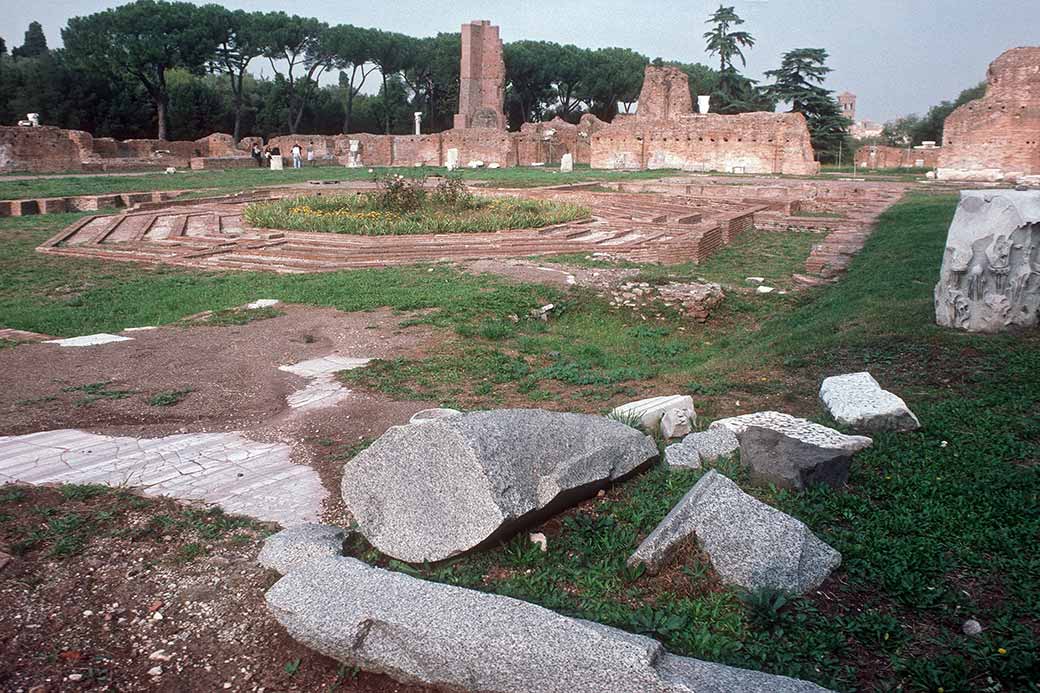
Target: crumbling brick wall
665, 133
997, 137
881, 156
743, 143
38, 150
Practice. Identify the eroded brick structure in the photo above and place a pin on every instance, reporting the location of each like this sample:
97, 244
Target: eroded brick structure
881, 156
997, 137
665, 133
481, 78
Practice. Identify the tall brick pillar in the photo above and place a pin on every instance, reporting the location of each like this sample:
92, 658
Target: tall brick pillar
481, 78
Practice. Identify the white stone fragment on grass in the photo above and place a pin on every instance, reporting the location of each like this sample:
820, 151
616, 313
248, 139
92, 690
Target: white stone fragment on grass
539, 539
713, 444
649, 412
750, 544
295, 546
263, 303
755, 280
146, 328
427, 415
857, 400
675, 424
239, 475
567, 163
89, 340
765, 289
457, 639
680, 455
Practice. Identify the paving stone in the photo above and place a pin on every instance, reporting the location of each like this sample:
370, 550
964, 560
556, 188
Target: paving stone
749, 543
324, 389
263, 303
295, 546
89, 340
240, 475
429, 492
857, 400
463, 640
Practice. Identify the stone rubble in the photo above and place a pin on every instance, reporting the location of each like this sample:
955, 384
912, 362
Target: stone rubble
693, 300
749, 543
792, 453
680, 455
713, 444
430, 492
457, 639
857, 400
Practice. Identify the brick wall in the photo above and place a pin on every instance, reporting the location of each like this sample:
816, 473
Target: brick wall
38, 150
880, 156
743, 143
998, 136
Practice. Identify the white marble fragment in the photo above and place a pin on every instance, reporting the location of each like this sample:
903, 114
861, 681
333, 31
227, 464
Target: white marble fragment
857, 400
89, 340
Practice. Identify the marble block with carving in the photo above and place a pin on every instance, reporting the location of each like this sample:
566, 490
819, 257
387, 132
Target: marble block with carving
990, 277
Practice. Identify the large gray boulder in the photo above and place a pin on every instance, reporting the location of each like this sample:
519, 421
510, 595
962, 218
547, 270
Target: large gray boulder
792, 453
439, 635
749, 543
857, 400
430, 492
990, 275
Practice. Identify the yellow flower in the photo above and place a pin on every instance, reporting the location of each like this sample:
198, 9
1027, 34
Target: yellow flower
1001, 650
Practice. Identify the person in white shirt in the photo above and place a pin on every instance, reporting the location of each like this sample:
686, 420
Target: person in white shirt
297, 156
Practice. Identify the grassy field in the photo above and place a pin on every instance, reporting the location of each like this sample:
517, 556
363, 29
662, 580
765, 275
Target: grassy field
936, 526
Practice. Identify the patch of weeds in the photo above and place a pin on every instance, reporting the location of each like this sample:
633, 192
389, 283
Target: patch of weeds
8, 343
79, 492
292, 667
169, 398
92, 392
189, 552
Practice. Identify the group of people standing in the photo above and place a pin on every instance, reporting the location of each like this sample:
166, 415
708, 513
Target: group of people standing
263, 156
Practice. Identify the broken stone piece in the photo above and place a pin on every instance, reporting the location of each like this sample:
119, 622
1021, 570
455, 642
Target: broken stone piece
675, 423
713, 444
792, 453
295, 546
650, 412
856, 400
429, 492
457, 639
990, 275
680, 455
749, 543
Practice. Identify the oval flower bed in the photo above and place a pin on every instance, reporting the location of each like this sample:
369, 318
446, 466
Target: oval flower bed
368, 214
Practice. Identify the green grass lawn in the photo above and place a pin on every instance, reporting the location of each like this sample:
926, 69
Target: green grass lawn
937, 526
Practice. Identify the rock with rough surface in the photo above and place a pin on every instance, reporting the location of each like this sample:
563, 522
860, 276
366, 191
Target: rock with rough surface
649, 412
856, 400
299, 545
456, 639
713, 444
749, 543
682, 455
675, 424
774, 457
790, 452
430, 492
990, 275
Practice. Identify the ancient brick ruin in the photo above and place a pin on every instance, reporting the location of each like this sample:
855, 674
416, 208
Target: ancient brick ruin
482, 78
666, 133
881, 156
997, 137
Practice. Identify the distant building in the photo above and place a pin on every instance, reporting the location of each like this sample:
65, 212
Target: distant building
861, 129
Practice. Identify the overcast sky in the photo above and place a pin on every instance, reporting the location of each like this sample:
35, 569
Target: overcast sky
897, 56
